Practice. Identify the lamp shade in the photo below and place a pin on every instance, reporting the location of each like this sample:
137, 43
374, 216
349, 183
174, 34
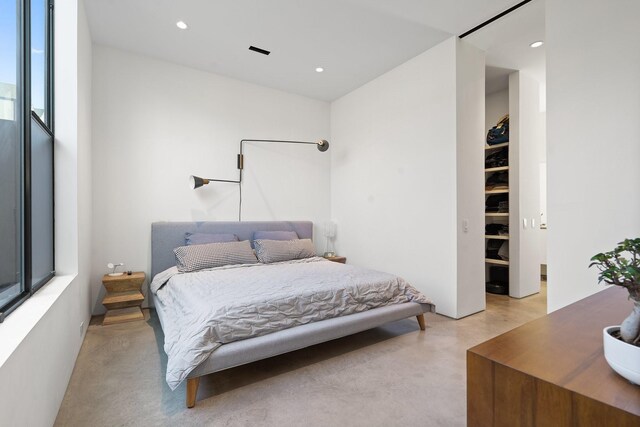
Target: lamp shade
329, 229
323, 145
197, 182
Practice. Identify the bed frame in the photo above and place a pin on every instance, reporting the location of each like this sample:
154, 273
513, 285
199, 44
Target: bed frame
165, 236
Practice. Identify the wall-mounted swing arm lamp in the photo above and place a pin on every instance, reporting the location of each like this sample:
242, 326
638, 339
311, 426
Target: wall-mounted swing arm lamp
197, 182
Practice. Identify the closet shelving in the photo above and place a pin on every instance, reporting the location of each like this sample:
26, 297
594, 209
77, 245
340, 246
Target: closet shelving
496, 146
496, 261
495, 217
512, 234
498, 169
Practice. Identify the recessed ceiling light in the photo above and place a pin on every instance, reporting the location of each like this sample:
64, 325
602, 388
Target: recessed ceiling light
319, 69
182, 25
537, 44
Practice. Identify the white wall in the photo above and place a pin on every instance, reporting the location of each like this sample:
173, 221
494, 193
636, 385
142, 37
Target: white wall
394, 174
41, 338
155, 123
593, 110
470, 141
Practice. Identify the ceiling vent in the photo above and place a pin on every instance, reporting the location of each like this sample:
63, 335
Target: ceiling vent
257, 49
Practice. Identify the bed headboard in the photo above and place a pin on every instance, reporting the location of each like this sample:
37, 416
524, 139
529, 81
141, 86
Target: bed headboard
166, 236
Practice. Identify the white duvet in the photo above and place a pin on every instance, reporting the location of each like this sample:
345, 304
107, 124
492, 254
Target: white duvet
205, 309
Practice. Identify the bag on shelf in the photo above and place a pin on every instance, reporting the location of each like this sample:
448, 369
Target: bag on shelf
499, 274
500, 132
496, 229
497, 288
498, 180
498, 282
503, 252
493, 248
497, 203
497, 159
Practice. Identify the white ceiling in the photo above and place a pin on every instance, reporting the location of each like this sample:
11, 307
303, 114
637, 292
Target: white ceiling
506, 42
354, 40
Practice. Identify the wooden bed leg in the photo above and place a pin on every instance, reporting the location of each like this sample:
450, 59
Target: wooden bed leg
192, 391
421, 322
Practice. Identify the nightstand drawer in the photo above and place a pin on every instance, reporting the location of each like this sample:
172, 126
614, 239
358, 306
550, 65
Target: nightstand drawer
123, 283
115, 300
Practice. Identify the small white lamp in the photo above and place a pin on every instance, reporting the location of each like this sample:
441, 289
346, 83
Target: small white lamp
329, 233
114, 267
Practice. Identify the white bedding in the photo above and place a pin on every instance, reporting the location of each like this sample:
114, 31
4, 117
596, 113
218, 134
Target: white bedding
208, 308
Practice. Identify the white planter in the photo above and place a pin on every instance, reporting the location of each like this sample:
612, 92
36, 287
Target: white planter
622, 357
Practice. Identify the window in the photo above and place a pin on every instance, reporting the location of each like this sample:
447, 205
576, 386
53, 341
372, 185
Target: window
40, 60
26, 150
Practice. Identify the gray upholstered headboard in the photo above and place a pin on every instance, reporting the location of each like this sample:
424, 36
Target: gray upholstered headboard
166, 236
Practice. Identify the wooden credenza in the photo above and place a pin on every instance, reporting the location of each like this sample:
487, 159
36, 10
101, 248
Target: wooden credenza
552, 371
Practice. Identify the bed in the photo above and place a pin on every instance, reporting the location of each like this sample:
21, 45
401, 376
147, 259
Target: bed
198, 342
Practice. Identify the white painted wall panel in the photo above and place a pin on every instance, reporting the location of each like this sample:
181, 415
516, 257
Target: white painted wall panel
394, 174
470, 122
593, 106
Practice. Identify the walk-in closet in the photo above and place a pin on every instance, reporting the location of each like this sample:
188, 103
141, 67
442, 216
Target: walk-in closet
514, 152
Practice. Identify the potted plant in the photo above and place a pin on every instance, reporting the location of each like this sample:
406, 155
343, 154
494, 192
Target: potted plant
621, 267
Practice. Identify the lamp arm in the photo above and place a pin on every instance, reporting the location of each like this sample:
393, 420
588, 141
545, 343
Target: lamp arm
241, 157
197, 182
273, 140
223, 180
283, 141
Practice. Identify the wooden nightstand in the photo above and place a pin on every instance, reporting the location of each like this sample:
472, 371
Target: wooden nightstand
340, 259
124, 298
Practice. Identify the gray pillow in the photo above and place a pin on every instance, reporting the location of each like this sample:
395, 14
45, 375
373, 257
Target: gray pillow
197, 257
275, 235
269, 251
204, 238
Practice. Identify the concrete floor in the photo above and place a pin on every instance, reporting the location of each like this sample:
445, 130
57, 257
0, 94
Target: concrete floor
389, 376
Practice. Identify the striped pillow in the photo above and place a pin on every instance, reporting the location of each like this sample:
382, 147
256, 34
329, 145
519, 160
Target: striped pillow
197, 257
269, 251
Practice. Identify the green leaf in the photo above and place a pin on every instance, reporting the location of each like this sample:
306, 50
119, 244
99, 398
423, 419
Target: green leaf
621, 264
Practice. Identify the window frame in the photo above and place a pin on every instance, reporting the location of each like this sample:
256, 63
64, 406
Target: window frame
27, 115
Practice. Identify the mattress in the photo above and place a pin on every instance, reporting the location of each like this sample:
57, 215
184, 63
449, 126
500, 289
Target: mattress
204, 310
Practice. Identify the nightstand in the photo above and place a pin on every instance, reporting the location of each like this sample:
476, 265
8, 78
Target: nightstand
340, 259
124, 298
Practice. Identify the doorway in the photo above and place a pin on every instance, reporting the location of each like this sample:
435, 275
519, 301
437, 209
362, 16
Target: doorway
515, 153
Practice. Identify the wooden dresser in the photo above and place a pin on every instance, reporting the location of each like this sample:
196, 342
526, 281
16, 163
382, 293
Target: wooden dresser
552, 371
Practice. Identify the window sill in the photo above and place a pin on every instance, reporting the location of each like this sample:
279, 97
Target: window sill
19, 324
